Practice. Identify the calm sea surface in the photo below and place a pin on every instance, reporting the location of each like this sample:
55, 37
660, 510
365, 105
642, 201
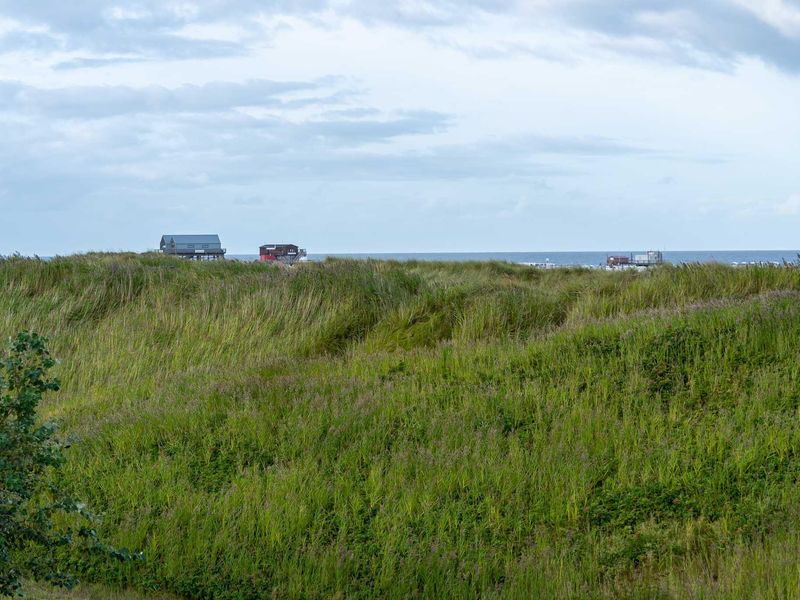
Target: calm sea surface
569, 258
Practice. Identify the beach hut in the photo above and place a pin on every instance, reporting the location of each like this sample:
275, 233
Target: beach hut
283, 253
196, 247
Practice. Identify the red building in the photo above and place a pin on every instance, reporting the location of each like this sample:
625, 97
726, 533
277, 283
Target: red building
283, 253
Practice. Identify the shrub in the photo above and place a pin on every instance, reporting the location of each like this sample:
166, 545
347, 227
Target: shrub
29, 454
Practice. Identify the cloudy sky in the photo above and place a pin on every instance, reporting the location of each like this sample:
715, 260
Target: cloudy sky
414, 125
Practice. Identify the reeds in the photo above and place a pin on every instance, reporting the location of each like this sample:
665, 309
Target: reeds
372, 429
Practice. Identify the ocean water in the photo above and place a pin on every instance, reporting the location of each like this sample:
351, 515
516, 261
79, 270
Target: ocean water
589, 259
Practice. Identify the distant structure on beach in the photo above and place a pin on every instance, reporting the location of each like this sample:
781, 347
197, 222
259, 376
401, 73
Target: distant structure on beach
194, 247
651, 258
287, 254
619, 260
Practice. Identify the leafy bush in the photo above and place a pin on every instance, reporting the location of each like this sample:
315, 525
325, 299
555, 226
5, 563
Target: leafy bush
29, 452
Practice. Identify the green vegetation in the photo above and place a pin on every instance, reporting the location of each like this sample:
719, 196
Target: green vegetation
30, 457
34, 591
434, 430
27, 450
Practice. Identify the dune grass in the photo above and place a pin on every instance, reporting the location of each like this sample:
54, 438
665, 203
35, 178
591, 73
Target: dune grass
378, 429
36, 591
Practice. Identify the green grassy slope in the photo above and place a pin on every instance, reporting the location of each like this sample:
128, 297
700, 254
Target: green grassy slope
432, 430
34, 591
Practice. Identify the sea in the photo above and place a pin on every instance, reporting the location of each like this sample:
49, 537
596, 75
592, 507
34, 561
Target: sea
570, 259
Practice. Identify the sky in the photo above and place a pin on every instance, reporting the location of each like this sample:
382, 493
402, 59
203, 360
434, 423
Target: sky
415, 125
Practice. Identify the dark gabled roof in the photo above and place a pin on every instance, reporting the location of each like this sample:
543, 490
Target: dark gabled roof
193, 239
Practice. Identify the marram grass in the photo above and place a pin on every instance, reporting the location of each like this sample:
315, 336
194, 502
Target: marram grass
387, 430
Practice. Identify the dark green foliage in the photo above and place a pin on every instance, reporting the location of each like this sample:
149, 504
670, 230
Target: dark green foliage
26, 451
30, 498
668, 356
637, 504
605, 346
635, 550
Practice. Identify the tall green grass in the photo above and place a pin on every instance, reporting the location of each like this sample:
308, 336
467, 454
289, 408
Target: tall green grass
379, 429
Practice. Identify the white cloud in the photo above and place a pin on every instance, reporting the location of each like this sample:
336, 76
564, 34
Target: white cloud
723, 31
393, 124
184, 11
126, 13
778, 13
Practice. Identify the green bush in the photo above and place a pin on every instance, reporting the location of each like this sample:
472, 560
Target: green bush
31, 499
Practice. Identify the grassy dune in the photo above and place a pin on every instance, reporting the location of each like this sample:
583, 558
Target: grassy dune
35, 591
427, 430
